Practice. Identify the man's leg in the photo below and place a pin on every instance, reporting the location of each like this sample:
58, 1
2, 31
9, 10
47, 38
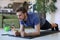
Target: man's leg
56, 28
47, 25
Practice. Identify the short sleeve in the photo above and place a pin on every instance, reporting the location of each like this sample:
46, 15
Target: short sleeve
21, 22
36, 20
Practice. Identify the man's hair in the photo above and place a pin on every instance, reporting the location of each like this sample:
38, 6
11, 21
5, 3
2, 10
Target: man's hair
22, 9
25, 3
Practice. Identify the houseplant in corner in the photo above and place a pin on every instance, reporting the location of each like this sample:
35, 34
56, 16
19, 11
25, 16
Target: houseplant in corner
44, 6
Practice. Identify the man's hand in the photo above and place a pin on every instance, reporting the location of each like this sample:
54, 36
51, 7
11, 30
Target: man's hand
13, 28
17, 33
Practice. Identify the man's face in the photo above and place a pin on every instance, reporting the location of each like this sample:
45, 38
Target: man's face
21, 16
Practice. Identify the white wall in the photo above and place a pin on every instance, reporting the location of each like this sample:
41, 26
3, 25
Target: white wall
56, 16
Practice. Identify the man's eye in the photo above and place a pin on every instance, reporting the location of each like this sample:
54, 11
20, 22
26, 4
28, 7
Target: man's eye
19, 15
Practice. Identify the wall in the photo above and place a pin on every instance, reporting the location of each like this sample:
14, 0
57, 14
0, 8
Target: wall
56, 16
6, 2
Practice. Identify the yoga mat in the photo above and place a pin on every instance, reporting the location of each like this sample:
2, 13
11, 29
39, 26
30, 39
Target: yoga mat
43, 33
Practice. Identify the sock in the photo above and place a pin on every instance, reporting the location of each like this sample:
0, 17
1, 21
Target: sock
52, 29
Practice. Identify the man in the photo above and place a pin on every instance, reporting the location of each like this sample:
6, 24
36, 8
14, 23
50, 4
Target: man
32, 20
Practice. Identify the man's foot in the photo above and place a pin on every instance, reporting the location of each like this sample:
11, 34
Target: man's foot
13, 28
52, 29
56, 28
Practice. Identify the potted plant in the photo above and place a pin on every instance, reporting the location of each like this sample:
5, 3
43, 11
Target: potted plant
44, 6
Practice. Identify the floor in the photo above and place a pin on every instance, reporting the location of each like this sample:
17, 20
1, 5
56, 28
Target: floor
55, 36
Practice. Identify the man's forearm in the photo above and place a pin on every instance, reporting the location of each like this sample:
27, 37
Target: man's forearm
23, 34
32, 34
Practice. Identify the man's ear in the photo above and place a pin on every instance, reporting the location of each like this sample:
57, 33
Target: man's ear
25, 14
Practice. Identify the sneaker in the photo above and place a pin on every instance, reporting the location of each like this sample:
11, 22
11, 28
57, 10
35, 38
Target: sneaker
52, 29
56, 28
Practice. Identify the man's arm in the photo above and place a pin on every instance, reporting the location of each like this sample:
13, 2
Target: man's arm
19, 32
36, 33
22, 31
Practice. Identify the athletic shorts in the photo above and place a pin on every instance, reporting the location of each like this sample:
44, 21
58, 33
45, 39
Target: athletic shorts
46, 26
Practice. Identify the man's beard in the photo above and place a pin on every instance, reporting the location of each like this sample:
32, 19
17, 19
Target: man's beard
24, 18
